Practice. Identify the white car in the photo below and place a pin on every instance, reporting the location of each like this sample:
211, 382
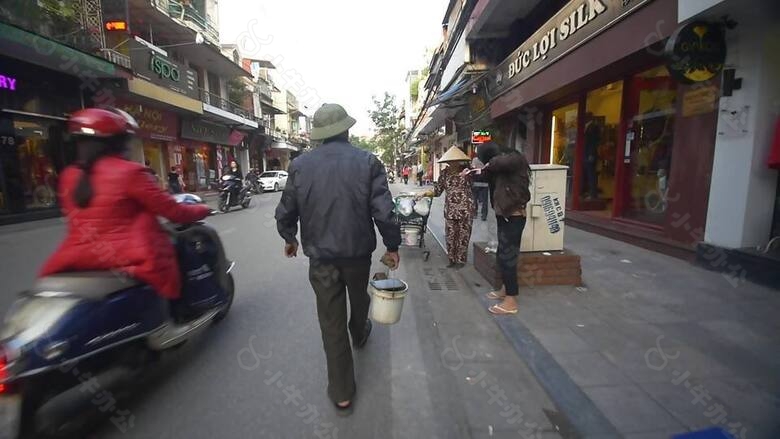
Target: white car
273, 180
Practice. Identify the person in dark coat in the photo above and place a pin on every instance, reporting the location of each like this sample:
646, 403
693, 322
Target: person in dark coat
338, 193
233, 169
175, 182
508, 175
481, 191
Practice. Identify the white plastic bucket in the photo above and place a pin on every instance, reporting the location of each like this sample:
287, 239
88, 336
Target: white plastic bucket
386, 306
411, 237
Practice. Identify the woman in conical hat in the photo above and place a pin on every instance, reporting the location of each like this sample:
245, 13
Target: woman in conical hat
458, 205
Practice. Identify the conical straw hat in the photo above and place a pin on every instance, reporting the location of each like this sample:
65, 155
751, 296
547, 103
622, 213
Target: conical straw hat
454, 154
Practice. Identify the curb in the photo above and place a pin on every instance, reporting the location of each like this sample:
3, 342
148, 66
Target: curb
581, 413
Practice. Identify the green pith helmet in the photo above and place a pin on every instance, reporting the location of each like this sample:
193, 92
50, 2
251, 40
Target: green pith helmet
330, 120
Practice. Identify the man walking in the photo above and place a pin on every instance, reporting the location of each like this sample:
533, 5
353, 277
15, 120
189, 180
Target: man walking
338, 192
420, 174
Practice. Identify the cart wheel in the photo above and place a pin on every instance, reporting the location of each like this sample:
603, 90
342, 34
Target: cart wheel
426, 255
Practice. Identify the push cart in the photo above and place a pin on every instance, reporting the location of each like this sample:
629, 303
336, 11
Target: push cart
412, 212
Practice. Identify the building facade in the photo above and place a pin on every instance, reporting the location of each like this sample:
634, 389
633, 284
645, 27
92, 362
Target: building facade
159, 60
42, 80
641, 100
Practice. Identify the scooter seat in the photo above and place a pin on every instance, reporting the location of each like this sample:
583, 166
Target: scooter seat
91, 285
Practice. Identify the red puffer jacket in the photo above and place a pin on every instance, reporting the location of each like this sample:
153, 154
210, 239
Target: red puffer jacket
119, 229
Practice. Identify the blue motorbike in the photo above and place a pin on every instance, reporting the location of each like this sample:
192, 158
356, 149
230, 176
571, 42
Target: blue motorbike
71, 329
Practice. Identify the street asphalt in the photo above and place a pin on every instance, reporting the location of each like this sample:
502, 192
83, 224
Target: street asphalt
574, 362
261, 372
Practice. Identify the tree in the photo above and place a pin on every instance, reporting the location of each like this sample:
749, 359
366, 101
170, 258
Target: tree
237, 91
363, 143
414, 89
389, 134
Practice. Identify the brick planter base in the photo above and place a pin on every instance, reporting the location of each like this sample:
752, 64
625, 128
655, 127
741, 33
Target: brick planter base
535, 268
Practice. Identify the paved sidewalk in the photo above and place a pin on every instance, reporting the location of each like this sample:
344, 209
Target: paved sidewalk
499, 395
657, 345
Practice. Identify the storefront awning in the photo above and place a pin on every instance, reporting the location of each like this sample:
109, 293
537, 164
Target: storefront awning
609, 41
271, 109
436, 117
223, 116
36, 49
148, 90
284, 145
458, 90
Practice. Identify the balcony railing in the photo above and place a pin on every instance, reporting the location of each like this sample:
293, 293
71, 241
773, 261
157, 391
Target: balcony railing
59, 21
117, 58
266, 124
231, 107
264, 89
187, 14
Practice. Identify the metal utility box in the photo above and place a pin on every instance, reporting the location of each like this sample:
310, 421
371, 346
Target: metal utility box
546, 210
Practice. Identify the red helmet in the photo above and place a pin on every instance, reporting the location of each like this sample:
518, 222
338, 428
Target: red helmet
100, 122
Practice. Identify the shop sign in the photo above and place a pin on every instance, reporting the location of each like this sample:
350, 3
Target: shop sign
478, 137
696, 52
700, 100
553, 212
7, 83
576, 23
204, 131
163, 71
116, 25
155, 124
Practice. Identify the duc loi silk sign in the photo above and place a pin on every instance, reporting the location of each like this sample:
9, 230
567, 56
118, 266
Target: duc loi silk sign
574, 24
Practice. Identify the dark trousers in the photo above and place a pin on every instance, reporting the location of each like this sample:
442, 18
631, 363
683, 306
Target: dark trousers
332, 281
510, 231
420, 178
406, 179
591, 179
481, 199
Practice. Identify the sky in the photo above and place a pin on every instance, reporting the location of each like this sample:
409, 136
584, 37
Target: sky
341, 51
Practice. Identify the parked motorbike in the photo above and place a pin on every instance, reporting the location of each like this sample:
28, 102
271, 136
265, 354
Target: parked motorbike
233, 193
252, 181
73, 332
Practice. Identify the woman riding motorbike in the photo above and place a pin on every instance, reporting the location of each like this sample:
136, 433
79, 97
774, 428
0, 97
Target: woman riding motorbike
111, 205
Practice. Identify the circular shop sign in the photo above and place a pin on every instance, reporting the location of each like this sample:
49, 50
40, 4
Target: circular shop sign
696, 52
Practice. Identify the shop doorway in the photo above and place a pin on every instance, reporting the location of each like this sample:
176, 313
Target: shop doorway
32, 151
646, 155
563, 142
154, 158
600, 138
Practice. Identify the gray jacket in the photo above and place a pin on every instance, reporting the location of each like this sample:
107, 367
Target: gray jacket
338, 192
